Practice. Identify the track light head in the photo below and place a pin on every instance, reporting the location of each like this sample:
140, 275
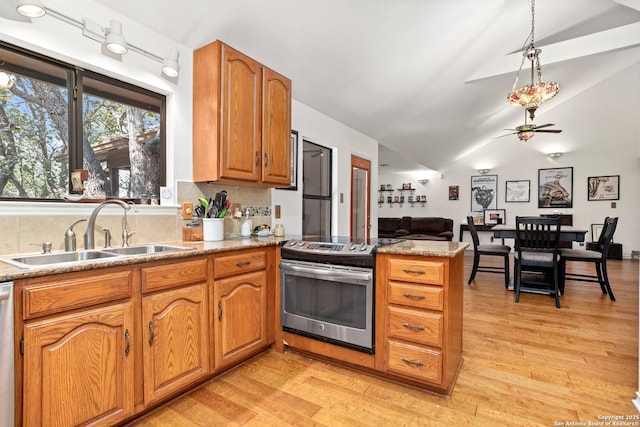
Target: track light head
30, 8
170, 66
114, 41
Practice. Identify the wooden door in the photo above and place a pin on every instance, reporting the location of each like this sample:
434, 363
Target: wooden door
176, 340
241, 100
241, 320
276, 128
78, 368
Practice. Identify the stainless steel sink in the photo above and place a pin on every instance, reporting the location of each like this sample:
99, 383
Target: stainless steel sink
28, 261
146, 249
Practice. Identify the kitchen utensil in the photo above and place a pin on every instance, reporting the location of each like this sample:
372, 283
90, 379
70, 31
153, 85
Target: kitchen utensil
213, 212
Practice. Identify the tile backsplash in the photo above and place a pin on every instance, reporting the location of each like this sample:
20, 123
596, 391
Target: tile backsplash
26, 233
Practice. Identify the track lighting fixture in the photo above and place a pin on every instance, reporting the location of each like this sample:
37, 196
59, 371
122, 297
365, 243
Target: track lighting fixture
111, 37
114, 41
30, 8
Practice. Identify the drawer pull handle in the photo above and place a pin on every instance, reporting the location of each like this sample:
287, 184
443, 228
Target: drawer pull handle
412, 362
406, 270
406, 295
413, 328
152, 333
128, 343
243, 264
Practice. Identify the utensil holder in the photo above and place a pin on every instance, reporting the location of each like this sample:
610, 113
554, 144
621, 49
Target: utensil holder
213, 229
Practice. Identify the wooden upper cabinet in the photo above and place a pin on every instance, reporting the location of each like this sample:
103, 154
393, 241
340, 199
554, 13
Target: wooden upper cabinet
276, 128
241, 119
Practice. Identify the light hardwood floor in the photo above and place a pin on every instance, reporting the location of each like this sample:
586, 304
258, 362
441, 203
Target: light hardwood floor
526, 364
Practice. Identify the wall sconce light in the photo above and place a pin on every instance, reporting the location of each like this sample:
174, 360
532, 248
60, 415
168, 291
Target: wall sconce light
554, 155
483, 171
423, 181
111, 37
30, 8
114, 41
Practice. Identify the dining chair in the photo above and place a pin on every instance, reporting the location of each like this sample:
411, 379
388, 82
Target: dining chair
537, 256
487, 250
597, 256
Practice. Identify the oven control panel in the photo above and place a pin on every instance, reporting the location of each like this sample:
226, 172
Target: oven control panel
350, 248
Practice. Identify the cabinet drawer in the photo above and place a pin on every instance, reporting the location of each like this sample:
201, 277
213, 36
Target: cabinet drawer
419, 296
172, 275
49, 295
417, 326
238, 263
418, 271
418, 362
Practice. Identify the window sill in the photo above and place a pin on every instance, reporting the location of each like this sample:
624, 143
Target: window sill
47, 209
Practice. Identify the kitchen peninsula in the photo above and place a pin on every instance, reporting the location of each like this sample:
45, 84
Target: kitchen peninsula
157, 325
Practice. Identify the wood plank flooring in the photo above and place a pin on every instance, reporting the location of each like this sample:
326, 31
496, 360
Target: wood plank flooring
525, 364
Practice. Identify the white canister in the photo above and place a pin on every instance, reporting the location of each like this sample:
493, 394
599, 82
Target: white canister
245, 229
213, 229
278, 231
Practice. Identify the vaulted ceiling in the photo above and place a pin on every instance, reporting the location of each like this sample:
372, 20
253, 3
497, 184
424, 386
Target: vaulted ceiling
428, 79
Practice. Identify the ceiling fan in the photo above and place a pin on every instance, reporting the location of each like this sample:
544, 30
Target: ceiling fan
526, 131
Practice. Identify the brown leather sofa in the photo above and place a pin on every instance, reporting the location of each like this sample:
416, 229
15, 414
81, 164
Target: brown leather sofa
416, 228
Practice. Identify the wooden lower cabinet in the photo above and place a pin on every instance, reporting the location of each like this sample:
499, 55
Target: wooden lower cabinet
175, 347
241, 319
419, 303
79, 368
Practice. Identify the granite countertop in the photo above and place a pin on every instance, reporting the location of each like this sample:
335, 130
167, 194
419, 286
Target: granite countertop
407, 247
424, 248
10, 272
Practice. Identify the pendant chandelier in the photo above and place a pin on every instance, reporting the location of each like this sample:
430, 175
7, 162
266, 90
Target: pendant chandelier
532, 95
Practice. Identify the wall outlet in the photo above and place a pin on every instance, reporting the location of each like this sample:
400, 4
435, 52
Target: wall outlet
187, 210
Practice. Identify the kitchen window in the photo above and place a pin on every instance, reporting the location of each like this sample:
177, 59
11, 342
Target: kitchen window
56, 119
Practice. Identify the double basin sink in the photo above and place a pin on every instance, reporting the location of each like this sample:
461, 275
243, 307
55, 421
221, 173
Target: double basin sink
58, 258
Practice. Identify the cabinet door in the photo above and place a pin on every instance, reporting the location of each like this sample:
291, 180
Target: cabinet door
176, 340
276, 128
240, 145
79, 369
240, 324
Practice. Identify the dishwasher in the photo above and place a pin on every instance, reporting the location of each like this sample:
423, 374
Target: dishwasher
6, 355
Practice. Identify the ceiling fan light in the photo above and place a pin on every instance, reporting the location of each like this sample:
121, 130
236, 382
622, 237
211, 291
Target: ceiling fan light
525, 135
30, 8
114, 41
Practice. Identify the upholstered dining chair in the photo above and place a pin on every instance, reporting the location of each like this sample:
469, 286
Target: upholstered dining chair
487, 250
537, 255
597, 256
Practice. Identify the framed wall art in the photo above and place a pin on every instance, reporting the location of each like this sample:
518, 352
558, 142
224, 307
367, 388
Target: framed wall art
555, 188
484, 192
453, 192
494, 216
596, 230
604, 187
294, 162
517, 191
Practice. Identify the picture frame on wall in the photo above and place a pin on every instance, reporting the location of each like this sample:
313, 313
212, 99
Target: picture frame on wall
294, 162
555, 188
484, 192
518, 191
596, 230
603, 187
454, 192
494, 216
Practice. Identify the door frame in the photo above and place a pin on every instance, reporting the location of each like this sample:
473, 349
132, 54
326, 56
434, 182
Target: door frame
361, 163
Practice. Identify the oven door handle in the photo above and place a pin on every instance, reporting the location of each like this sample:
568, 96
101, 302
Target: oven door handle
326, 273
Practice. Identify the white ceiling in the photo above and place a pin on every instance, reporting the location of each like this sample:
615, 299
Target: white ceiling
428, 79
